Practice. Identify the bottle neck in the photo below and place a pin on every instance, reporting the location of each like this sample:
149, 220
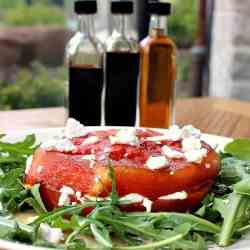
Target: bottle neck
86, 25
158, 25
121, 24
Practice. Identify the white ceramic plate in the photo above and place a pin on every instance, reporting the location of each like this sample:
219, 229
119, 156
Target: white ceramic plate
45, 134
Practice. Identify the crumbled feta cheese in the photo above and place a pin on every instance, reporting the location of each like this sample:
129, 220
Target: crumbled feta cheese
107, 150
60, 145
175, 196
74, 129
89, 157
64, 199
133, 198
28, 164
124, 136
74, 203
171, 153
195, 155
171, 134
147, 204
174, 133
102, 157
191, 143
193, 150
137, 198
190, 131
39, 169
78, 195
52, 235
90, 140
157, 162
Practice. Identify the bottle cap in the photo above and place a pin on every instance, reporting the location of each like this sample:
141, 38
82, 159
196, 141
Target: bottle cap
159, 8
85, 7
122, 7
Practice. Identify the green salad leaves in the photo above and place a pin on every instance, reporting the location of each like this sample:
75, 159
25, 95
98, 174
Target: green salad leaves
235, 206
222, 218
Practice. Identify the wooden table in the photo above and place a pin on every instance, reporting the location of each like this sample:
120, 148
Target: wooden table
229, 118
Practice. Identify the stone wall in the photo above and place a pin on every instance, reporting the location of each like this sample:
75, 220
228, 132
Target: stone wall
19, 47
230, 59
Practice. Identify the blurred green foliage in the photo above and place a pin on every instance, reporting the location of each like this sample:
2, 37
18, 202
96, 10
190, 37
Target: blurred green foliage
34, 89
40, 12
183, 22
184, 68
7, 4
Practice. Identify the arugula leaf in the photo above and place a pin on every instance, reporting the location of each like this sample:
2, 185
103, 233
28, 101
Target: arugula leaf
9, 228
50, 216
12, 164
77, 245
176, 235
239, 148
35, 191
235, 216
20, 148
207, 211
234, 170
234, 207
174, 219
196, 242
11, 189
243, 187
9, 180
101, 234
35, 201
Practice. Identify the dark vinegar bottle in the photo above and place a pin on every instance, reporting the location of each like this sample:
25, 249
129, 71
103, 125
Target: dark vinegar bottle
85, 61
122, 68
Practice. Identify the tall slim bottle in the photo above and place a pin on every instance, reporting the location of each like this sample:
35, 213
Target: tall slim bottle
157, 70
85, 61
122, 68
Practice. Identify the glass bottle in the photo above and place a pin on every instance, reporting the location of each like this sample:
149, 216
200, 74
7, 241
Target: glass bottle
157, 70
122, 68
85, 62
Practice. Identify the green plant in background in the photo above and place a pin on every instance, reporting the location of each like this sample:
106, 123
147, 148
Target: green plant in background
183, 23
35, 89
39, 13
184, 67
7, 4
